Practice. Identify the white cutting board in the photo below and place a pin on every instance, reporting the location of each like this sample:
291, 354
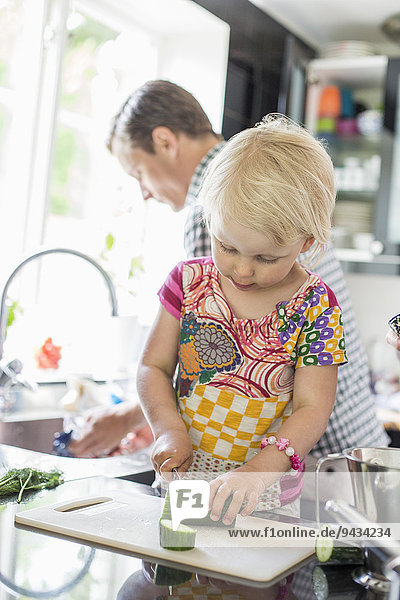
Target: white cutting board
128, 521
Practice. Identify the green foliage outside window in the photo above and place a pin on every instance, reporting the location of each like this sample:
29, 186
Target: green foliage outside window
71, 160
70, 165
3, 72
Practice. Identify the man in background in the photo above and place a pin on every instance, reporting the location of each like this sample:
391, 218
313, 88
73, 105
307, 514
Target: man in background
162, 137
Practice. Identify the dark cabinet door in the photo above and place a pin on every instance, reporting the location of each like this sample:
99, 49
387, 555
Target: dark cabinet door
264, 64
293, 82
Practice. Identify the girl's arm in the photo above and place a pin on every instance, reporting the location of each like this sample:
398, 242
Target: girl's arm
313, 400
172, 448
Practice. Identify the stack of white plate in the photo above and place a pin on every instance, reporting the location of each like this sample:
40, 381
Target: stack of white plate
355, 217
347, 48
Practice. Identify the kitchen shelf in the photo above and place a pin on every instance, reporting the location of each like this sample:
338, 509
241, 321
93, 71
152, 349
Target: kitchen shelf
356, 195
365, 256
360, 71
355, 142
365, 165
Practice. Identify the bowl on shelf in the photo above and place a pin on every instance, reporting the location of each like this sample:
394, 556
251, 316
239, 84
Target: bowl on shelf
370, 122
347, 49
326, 125
362, 240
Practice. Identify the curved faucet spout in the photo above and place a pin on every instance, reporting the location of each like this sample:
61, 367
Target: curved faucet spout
106, 277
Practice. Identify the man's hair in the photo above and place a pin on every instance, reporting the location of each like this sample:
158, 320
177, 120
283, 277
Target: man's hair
153, 104
275, 178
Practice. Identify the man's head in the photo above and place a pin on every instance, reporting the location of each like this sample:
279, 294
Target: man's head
159, 135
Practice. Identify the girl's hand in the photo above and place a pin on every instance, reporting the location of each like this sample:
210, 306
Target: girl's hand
172, 450
242, 485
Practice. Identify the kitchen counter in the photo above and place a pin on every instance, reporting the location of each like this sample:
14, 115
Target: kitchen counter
38, 565
76, 468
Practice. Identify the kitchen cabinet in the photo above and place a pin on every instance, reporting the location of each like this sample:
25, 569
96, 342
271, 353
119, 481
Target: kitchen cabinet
271, 70
265, 64
367, 213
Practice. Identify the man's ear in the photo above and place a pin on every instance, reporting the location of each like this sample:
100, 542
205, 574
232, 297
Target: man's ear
307, 244
165, 141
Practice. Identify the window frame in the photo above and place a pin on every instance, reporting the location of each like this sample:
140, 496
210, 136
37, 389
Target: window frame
36, 107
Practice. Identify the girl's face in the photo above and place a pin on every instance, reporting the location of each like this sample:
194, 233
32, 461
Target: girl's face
249, 259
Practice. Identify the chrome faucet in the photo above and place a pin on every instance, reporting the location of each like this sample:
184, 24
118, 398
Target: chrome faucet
386, 553
12, 369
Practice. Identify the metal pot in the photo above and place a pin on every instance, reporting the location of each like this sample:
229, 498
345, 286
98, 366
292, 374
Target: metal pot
383, 556
375, 481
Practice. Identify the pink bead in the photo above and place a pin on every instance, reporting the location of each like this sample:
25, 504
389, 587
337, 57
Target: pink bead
282, 444
295, 460
268, 441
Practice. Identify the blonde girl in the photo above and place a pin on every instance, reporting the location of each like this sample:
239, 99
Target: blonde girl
256, 337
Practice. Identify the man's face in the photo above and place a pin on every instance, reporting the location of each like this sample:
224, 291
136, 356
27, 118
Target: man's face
157, 174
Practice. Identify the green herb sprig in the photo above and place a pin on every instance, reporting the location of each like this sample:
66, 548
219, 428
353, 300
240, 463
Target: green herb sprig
19, 481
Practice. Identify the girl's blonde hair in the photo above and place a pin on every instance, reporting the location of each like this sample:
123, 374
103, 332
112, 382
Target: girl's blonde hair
274, 178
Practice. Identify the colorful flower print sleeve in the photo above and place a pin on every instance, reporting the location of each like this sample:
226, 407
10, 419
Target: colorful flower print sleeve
235, 378
312, 333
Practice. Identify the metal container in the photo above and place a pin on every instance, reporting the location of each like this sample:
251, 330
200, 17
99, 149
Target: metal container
375, 481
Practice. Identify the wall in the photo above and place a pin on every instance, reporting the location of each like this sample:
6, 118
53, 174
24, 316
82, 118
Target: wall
375, 299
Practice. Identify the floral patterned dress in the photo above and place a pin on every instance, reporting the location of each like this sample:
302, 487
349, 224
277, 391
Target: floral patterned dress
235, 378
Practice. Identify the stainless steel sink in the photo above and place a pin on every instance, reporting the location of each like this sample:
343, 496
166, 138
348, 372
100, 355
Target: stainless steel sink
32, 422
31, 425
31, 434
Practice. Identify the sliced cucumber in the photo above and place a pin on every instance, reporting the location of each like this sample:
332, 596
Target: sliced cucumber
166, 510
183, 538
334, 582
324, 548
166, 576
320, 584
327, 551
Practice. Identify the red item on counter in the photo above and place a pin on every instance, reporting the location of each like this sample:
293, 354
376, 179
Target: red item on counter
48, 355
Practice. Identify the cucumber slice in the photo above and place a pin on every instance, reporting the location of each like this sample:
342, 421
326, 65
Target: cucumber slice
166, 576
324, 548
327, 551
182, 538
334, 582
320, 584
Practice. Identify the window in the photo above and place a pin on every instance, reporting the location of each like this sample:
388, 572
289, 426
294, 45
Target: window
65, 68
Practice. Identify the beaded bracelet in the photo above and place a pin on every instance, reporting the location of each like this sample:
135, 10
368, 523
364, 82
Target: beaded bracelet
283, 444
